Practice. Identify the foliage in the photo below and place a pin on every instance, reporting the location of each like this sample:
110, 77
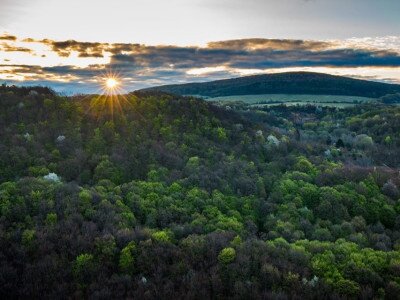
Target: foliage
283, 83
174, 197
227, 255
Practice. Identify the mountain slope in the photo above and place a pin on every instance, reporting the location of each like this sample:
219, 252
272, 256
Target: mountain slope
284, 83
176, 198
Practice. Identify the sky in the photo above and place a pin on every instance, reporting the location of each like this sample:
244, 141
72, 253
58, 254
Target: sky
72, 45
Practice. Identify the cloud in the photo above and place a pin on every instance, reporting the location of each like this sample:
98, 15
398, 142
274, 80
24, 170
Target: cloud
254, 54
275, 44
246, 53
8, 37
143, 65
10, 48
85, 49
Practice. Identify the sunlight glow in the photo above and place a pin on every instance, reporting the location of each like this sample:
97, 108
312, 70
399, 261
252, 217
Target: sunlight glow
111, 98
111, 83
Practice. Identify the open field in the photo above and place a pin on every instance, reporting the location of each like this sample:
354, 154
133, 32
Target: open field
303, 103
276, 99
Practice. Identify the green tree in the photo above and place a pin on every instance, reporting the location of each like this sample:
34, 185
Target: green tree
28, 238
305, 166
51, 219
220, 133
107, 170
83, 267
347, 287
227, 255
162, 236
126, 258
105, 249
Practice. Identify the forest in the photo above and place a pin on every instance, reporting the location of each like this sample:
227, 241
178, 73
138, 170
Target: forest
300, 83
151, 195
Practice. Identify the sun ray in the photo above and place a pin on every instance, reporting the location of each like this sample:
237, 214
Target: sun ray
111, 99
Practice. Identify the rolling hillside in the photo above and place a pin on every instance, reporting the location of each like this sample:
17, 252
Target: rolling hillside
284, 83
160, 196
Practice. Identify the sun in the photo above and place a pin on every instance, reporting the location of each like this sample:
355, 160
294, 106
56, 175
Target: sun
111, 97
111, 83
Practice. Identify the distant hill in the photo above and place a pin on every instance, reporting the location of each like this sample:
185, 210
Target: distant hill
284, 83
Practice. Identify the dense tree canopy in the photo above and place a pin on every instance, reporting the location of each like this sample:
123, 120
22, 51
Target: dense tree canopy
159, 196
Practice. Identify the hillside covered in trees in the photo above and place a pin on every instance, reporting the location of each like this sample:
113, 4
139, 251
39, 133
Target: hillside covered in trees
156, 196
283, 83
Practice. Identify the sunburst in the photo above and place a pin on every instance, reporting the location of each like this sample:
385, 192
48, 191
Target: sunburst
111, 83
111, 98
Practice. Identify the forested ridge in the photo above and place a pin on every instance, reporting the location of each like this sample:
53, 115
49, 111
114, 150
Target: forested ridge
157, 196
283, 83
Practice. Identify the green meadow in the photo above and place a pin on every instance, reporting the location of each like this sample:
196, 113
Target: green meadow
295, 99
